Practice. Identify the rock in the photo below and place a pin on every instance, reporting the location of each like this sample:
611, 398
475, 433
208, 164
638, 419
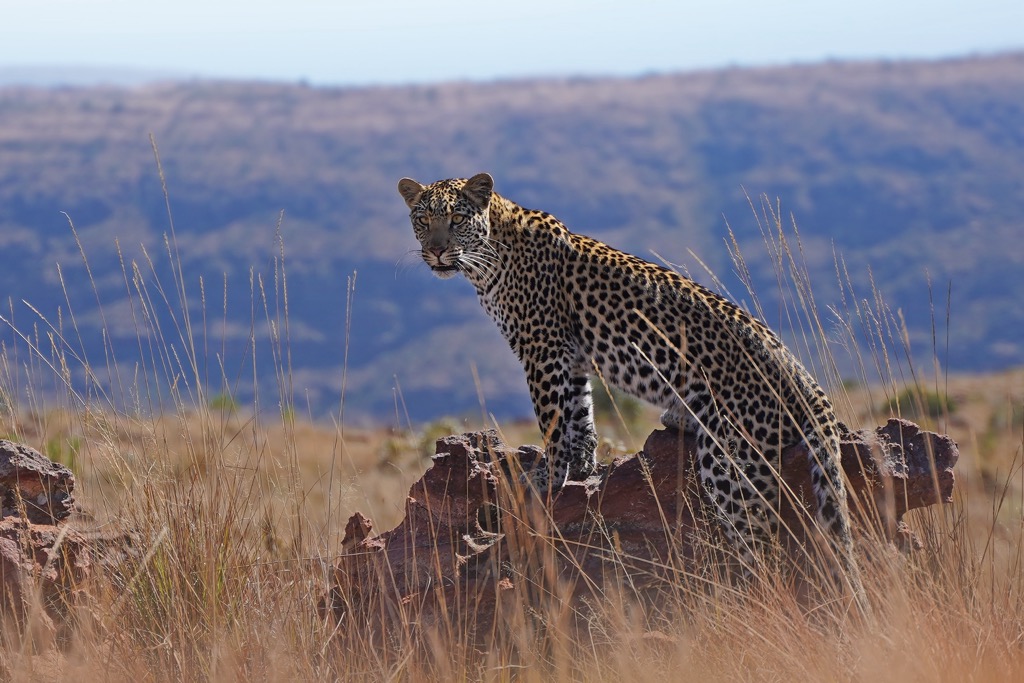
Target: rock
41, 561
895, 469
357, 529
41, 567
466, 541
31, 482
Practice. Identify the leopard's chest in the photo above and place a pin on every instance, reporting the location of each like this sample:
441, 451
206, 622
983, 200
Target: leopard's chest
530, 300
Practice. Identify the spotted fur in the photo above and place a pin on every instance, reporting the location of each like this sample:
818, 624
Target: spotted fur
571, 307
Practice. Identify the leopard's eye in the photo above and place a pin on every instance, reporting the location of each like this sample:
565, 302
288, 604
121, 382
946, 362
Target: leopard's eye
457, 219
422, 221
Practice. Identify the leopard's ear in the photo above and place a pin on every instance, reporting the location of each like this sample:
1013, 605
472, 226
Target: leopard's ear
478, 189
410, 190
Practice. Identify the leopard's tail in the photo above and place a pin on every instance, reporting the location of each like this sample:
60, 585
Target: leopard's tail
833, 511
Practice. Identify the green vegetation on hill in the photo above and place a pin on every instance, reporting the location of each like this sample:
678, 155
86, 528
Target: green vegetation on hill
913, 172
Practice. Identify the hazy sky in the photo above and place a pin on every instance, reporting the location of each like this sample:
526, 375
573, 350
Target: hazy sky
400, 41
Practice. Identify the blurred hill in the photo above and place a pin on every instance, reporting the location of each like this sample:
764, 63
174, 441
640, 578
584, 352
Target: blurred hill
901, 168
56, 76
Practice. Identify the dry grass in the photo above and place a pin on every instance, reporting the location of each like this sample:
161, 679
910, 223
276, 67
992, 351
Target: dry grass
239, 514
236, 548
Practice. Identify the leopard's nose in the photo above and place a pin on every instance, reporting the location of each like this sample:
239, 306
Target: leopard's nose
436, 251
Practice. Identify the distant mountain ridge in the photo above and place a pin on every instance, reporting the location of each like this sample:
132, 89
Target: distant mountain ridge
56, 76
898, 167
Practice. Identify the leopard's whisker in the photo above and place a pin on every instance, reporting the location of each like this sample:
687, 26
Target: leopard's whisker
481, 259
469, 266
476, 257
489, 243
404, 263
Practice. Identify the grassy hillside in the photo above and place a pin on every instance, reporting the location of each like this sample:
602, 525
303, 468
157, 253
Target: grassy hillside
911, 172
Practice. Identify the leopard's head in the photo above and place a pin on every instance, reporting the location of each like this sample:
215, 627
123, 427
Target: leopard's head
450, 219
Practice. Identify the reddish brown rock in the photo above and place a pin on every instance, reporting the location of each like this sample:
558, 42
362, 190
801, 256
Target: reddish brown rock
33, 486
41, 562
41, 566
468, 539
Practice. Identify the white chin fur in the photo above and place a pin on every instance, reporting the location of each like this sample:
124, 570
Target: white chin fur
444, 274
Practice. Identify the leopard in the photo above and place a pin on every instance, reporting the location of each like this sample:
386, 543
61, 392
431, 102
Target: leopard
571, 307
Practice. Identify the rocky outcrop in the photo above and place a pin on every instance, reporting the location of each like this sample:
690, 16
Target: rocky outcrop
34, 487
41, 560
469, 540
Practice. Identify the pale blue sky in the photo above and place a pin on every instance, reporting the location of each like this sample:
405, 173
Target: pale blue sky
400, 41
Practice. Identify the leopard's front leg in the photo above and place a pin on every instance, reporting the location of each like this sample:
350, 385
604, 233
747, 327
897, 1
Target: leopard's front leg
560, 389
